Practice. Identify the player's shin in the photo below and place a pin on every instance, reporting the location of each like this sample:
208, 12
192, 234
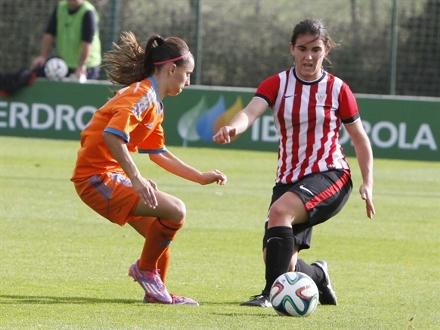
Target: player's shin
162, 233
314, 272
279, 251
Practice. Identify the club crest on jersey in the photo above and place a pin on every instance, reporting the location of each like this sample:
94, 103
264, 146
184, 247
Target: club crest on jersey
320, 97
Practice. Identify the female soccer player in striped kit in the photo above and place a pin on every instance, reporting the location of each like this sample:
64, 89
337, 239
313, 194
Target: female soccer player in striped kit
106, 177
313, 177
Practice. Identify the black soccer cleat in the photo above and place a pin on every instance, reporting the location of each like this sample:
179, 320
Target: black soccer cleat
259, 300
327, 295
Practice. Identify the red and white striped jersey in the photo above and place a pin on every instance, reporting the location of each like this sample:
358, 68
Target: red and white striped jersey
308, 117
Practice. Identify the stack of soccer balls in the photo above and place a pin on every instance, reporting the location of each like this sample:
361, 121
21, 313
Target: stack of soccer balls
294, 294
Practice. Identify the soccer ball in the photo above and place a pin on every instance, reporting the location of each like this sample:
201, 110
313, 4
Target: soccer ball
294, 294
55, 69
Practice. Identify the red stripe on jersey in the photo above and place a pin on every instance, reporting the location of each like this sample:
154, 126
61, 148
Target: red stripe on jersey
329, 160
296, 125
311, 119
283, 136
326, 124
329, 192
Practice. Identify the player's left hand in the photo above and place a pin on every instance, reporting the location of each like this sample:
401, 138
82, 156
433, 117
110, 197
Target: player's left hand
213, 176
366, 193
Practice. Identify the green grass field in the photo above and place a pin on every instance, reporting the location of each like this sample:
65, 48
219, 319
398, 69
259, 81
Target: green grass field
64, 267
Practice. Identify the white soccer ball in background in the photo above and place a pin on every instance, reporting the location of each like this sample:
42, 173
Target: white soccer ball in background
55, 69
294, 294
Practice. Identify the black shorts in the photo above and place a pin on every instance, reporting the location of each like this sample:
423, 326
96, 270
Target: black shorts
323, 194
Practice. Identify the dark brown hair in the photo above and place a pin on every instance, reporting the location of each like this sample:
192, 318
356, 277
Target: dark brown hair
314, 27
128, 62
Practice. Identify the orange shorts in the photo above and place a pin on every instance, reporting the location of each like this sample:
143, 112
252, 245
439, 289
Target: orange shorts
111, 195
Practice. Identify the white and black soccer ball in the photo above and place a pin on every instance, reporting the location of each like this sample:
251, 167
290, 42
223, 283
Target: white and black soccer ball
55, 69
294, 294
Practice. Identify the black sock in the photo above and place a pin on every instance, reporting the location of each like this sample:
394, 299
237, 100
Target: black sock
313, 271
279, 250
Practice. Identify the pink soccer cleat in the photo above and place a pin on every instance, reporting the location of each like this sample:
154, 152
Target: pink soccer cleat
177, 300
153, 286
180, 300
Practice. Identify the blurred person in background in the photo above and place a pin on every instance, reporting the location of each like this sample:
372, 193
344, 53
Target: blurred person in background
74, 31
12, 82
105, 176
313, 180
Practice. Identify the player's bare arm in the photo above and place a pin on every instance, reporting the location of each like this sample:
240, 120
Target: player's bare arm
171, 163
241, 121
364, 155
144, 187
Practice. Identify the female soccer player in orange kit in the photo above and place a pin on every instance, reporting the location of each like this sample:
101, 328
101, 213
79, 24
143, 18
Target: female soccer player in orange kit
106, 177
313, 179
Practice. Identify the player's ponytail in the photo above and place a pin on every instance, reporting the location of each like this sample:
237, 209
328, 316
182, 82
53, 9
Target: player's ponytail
124, 62
128, 62
151, 48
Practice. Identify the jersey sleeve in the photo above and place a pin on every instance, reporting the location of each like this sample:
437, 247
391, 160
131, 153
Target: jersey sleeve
51, 27
348, 108
268, 89
122, 123
127, 109
88, 26
153, 143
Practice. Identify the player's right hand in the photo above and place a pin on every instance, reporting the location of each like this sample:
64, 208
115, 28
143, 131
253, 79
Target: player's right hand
224, 134
147, 191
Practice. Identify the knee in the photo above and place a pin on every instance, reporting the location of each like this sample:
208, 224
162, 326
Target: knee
179, 211
279, 216
275, 211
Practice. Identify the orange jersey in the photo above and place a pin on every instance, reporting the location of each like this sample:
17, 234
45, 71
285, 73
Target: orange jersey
135, 114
